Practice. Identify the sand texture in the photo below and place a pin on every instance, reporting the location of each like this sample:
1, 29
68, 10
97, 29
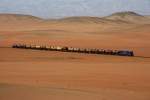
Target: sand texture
51, 75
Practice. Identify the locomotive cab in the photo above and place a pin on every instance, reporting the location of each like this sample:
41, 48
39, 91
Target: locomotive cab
125, 53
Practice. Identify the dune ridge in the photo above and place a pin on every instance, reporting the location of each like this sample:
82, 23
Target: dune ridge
131, 17
122, 17
114, 22
7, 18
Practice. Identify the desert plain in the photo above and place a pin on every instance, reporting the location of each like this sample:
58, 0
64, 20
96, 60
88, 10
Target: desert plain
52, 75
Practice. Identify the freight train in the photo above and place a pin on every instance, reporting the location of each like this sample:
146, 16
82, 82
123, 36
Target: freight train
78, 50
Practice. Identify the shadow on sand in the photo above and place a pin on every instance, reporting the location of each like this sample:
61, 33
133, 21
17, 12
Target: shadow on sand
142, 57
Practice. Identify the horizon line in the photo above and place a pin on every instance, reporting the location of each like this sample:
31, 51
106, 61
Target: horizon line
61, 17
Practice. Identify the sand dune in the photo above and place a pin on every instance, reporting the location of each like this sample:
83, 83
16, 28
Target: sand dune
122, 17
17, 18
88, 20
12, 22
97, 32
16, 22
118, 18
130, 17
38, 75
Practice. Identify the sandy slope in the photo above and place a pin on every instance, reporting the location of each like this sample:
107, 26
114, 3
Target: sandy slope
130, 17
33, 75
95, 36
38, 75
148, 17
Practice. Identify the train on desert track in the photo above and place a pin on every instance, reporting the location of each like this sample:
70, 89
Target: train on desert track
78, 50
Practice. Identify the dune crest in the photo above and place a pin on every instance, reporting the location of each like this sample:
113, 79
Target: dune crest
130, 17
119, 18
18, 18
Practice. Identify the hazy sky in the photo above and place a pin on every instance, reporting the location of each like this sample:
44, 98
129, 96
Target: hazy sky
61, 8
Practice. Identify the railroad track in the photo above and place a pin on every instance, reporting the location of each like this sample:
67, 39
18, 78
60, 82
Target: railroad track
77, 50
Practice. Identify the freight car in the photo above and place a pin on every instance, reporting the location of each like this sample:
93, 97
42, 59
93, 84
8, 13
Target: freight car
78, 50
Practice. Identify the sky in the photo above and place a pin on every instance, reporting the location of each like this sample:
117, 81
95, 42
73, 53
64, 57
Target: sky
65, 8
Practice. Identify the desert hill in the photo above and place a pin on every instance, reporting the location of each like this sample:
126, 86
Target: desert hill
44, 75
18, 18
113, 23
117, 18
12, 22
82, 19
131, 17
85, 19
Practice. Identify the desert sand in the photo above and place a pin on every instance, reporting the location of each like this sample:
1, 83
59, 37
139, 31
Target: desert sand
44, 75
